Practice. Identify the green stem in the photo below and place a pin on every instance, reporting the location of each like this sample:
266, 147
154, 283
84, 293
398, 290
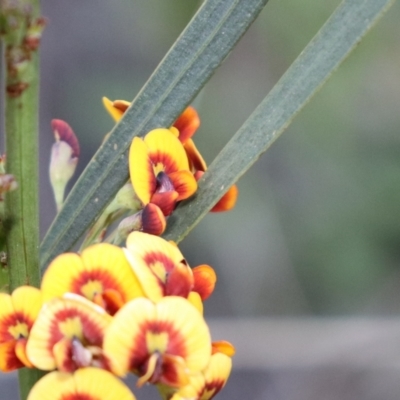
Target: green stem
22, 204
21, 38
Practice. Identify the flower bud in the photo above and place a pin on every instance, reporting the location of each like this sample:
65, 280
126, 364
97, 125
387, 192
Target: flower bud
64, 158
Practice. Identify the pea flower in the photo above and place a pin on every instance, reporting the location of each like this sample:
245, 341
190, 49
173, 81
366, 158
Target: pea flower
159, 170
186, 125
163, 271
101, 274
18, 313
206, 384
68, 334
162, 343
83, 384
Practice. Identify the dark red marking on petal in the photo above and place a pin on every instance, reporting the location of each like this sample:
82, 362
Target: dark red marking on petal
92, 334
166, 159
8, 359
12, 320
139, 351
66, 134
153, 257
214, 386
106, 278
78, 396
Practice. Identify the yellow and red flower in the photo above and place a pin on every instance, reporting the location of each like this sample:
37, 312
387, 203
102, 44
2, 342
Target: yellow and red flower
207, 383
101, 274
68, 334
83, 384
186, 125
18, 313
163, 271
163, 343
159, 170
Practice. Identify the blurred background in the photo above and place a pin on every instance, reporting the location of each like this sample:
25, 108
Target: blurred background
316, 230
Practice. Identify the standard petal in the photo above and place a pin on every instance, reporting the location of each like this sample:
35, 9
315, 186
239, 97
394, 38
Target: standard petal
60, 274
27, 301
141, 170
71, 318
166, 151
85, 383
125, 339
189, 327
101, 268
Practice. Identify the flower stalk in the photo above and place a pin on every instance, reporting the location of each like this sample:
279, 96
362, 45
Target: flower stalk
21, 30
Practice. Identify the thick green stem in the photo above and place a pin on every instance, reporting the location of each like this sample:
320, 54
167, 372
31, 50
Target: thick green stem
22, 28
22, 204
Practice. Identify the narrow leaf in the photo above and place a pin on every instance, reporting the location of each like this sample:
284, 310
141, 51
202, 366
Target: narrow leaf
340, 34
204, 44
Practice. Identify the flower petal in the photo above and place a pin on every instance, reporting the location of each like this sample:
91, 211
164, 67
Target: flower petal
187, 124
204, 280
184, 183
153, 260
227, 201
8, 359
101, 268
84, 384
196, 160
224, 347
65, 318
62, 131
141, 170
115, 108
153, 220
27, 300
166, 201
165, 149
171, 327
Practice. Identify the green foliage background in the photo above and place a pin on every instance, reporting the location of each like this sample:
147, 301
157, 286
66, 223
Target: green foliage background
316, 228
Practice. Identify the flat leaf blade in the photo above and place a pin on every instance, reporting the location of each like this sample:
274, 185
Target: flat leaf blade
340, 34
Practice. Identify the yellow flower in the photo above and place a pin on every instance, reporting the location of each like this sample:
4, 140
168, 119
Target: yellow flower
18, 313
83, 384
68, 334
101, 274
163, 343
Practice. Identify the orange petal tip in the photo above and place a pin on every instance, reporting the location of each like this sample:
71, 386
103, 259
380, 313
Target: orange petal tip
187, 124
204, 280
227, 201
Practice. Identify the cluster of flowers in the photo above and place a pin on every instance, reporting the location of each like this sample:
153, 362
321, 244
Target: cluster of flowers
109, 311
